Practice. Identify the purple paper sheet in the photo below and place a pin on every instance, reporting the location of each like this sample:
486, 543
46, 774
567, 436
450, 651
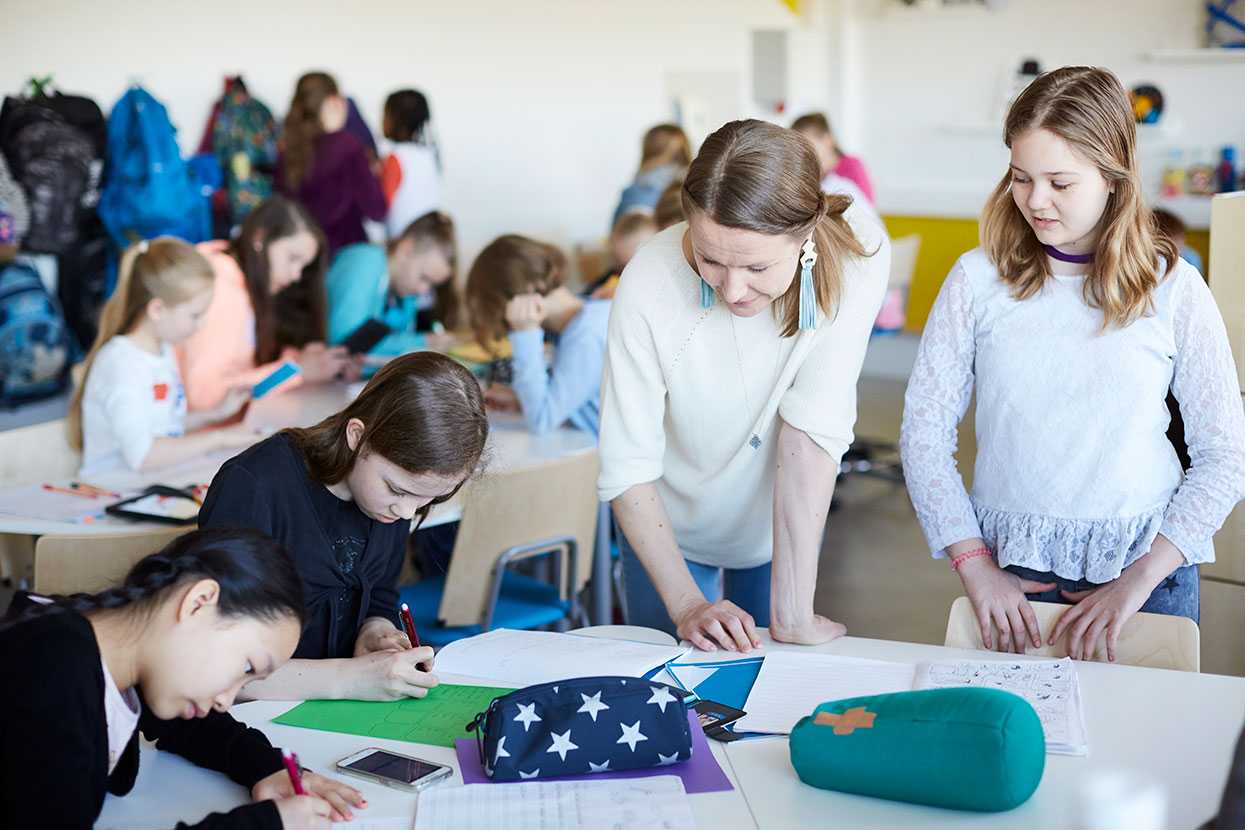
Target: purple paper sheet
700, 774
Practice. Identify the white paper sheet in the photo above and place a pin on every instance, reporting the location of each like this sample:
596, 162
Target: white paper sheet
375, 824
659, 803
790, 686
526, 658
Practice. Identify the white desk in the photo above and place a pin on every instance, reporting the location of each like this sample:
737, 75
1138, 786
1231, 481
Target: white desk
1175, 726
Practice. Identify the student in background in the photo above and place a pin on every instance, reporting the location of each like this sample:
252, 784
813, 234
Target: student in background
268, 307
630, 232
411, 173
834, 162
669, 210
1173, 227
665, 155
515, 289
325, 167
130, 409
164, 653
341, 496
393, 285
1072, 322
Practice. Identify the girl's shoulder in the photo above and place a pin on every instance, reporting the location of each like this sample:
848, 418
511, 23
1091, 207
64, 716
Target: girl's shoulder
270, 462
59, 641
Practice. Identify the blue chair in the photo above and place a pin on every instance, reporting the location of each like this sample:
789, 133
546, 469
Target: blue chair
544, 515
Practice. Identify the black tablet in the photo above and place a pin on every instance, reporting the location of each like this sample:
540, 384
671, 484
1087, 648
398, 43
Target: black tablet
158, 503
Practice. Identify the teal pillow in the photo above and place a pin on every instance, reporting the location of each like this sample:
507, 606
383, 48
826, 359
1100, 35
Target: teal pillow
966, 749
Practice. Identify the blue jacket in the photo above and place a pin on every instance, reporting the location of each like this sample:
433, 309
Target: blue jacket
358, 290
572, 390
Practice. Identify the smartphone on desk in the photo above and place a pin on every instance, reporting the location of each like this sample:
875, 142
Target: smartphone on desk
402, 772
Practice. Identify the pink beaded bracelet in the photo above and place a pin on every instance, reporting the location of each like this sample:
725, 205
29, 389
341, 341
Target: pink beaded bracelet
960, 559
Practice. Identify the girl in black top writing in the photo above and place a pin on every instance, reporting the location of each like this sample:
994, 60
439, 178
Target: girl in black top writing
164, 654
341, 496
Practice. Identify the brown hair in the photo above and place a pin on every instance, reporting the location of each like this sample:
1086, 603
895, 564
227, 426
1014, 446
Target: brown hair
669, 209
631, 222
665, 144
298, 315
1168, 223
164, 269
436, 228
1086, 107
302, 125
422, 411
509, 266
817, 124
759, 177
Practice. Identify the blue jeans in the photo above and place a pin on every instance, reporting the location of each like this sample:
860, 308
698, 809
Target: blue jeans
746, 587
1177, 595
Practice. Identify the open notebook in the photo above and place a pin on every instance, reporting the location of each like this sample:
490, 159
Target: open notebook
792, 685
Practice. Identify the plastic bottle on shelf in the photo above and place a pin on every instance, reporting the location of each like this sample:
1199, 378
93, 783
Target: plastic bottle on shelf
1227, 170
1173, 174
1200, 176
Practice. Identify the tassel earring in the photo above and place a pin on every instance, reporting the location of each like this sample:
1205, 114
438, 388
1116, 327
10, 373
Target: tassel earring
706, 295
808, 297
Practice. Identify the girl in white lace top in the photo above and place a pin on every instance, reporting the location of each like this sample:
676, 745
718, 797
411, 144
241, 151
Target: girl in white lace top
1072, 323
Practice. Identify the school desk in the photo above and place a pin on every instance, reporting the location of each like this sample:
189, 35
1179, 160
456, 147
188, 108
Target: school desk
1178, 727
510, 446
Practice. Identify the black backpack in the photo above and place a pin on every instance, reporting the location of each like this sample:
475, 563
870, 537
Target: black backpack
53, 144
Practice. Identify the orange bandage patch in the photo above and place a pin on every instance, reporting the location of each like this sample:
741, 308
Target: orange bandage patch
845, 724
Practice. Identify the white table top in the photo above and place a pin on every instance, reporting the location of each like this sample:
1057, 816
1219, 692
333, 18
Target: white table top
510, 446
1177, 727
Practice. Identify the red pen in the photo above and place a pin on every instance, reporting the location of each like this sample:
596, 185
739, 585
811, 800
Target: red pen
291, 766
409, 622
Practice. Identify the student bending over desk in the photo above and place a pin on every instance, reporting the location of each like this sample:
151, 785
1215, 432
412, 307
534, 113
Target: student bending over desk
165, 653
340, 496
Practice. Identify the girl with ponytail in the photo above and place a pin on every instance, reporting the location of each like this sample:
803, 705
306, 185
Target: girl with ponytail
735, 341
1071, 323
130, 408
164, 653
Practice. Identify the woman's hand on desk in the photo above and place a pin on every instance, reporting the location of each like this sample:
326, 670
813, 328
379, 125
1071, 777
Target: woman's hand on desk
387, 675
710, 625
816, 631
325, 798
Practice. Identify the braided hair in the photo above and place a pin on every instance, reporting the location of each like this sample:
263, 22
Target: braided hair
256, 577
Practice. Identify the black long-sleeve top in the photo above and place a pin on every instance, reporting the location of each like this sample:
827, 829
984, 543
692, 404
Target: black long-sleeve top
349, 563
54, 735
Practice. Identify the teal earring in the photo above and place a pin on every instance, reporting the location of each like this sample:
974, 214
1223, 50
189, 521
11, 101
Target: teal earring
808, 298
706, 295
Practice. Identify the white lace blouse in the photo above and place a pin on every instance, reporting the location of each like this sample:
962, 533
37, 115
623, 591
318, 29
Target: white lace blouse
1074, 472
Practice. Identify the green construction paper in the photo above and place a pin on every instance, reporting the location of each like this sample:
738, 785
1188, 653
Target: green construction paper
438, 719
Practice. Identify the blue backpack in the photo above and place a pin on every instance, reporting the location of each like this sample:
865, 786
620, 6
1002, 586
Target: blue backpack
148, 189
35, 348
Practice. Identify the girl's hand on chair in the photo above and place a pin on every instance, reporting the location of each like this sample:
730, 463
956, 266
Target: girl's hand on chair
1104, 610
998, 599
388, 675
710, 625
338, 796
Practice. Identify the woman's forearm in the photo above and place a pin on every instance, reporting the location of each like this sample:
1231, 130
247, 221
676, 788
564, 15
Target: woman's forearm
642, 516
803, 487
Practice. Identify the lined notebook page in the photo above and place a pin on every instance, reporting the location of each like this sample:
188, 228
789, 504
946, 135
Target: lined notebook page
790, 686
659, 803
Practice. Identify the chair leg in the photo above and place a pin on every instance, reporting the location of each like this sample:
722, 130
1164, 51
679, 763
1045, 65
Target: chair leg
616, 575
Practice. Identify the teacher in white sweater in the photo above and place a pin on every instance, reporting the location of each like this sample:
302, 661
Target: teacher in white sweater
735, 342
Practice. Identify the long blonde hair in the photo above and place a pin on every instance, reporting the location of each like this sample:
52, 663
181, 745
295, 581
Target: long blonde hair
164, 269
1086, 107
761, 177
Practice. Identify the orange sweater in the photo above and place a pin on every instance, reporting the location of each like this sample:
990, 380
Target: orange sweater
221, 354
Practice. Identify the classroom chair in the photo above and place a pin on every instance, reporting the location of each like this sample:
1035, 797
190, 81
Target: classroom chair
91, 562
546, 513
1156, 641
33, 454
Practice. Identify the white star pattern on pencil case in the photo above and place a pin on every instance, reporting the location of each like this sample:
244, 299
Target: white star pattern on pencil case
501, 751
592, 705
599, 767
630, 735
562, 743
661, 696
531, 774
527, 715
667, 760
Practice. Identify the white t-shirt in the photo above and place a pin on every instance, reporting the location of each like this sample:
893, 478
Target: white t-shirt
121, 711
693, 398
419, 186
132, 397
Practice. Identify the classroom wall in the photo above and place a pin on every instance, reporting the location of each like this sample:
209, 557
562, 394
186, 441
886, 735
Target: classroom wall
539, 105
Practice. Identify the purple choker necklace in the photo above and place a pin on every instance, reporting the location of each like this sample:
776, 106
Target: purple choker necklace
1055, 253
